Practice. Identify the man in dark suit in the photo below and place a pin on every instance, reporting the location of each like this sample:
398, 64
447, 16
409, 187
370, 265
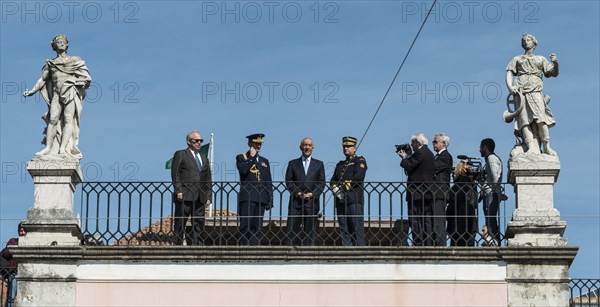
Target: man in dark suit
192, 181
305, 179
256, 191
347, 185
442, 171
419, 167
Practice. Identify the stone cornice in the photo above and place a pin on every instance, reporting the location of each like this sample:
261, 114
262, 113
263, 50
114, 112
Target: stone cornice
267, 254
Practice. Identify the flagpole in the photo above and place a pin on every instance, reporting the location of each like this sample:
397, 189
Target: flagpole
211, 156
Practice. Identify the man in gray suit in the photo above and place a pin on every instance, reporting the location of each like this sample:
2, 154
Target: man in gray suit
192, 181
305, 179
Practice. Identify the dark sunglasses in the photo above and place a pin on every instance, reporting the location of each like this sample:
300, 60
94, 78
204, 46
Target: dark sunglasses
196, 140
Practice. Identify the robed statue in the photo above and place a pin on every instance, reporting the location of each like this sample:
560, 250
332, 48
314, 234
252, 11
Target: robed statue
62, 84
532, 116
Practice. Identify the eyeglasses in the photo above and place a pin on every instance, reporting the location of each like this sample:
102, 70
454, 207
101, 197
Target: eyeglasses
196, 140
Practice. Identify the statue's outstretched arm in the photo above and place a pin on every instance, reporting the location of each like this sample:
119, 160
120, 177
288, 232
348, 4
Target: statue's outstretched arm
39, 84
554, 71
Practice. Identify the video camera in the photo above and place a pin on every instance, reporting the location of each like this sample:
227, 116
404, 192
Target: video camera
406, 147
476, 169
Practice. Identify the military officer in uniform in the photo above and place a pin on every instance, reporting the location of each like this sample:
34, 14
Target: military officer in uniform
348, 188
256, 190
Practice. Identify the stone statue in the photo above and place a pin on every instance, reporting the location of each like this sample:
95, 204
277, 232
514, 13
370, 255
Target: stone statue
62, 84
532, 116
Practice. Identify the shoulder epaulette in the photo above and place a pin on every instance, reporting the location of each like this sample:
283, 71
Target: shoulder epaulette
245, 156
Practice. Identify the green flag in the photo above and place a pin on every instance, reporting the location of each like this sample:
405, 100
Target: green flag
203, 151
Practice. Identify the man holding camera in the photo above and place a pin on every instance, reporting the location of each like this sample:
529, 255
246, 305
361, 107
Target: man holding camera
420, 170
491, 188
442, 170
347, 186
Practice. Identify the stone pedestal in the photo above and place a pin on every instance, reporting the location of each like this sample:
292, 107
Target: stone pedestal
535, 221
536, 224
50, 223
51, 220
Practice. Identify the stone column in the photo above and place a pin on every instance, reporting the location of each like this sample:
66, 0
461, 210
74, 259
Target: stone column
536, 224
44, 281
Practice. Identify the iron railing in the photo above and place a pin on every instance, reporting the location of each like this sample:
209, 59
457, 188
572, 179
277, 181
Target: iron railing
142, 213
584, 292
4, 276
3, 286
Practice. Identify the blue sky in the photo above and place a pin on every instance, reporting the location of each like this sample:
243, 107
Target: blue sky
295, 69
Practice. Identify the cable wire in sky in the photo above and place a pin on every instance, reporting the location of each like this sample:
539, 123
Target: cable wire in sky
397, 73
392, 83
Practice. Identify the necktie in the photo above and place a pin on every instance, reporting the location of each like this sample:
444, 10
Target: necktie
436, 155
305, 166
198, 161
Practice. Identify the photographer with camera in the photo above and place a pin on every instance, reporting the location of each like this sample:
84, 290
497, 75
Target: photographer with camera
491, 189
420, 170
347, 184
